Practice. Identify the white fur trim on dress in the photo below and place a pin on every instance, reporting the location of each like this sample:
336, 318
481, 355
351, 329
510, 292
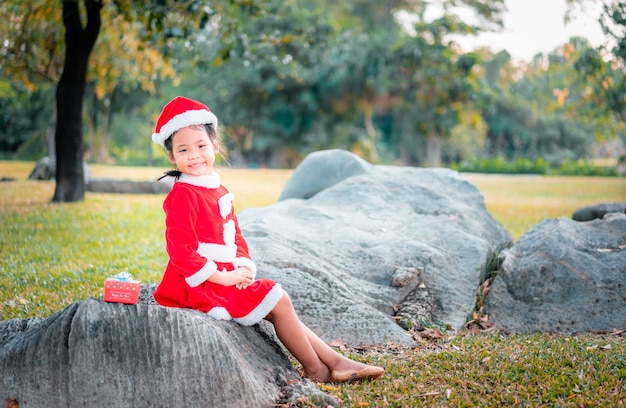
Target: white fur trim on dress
245, 262
202, 275
182, 120
219, 313
229, 232
217, 252
226, 204
211, 181
267, 304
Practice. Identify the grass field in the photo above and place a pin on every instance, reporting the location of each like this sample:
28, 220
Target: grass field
54, 254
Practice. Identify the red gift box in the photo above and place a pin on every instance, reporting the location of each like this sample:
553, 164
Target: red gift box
121, 292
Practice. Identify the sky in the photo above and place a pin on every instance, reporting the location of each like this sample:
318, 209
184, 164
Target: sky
533, 26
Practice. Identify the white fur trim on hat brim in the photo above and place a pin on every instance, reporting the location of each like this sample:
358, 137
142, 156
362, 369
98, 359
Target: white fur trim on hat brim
188, 118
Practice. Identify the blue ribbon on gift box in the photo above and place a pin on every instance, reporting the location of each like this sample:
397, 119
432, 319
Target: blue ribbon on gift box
123, 277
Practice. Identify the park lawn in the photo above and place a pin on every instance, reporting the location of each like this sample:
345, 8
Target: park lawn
54, 254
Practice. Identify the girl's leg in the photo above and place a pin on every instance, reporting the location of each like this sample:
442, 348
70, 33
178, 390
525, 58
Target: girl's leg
291, 332
342, 369
332, 359
318, 359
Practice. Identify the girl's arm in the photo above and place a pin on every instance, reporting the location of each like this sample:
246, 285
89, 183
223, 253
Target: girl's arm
243, 259
241, 277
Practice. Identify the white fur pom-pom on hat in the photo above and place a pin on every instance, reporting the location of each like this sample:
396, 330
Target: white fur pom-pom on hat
178, 113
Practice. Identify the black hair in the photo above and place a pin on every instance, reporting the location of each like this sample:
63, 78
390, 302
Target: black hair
210, 130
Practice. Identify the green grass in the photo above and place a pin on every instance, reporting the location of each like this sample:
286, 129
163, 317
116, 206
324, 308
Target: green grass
519, 202
54, 254
495, 370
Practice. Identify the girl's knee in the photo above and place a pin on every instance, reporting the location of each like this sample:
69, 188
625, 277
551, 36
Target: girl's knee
284, 303
285, 299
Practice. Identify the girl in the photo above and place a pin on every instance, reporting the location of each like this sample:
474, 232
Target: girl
209, 267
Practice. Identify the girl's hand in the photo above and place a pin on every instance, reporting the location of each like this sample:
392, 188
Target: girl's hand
241, 277
245, 277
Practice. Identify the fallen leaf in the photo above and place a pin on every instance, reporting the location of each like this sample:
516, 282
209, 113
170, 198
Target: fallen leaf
431, 334
429, 394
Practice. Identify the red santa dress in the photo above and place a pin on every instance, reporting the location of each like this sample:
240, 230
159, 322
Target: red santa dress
203, 236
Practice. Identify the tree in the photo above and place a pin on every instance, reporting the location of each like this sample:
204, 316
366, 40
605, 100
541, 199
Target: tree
31, 44
550, 110
320, 74
298, 72
614, 26
79, 42
605, 66
434, 83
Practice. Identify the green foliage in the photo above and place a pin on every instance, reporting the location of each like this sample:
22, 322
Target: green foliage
24, 119
584, 168
614, 80
499, 165
290, 77
299, 74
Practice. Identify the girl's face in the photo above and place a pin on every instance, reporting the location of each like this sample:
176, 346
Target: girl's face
193, 152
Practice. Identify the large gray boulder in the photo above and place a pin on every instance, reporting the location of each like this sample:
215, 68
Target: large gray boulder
563, 276
97, 354
378, 244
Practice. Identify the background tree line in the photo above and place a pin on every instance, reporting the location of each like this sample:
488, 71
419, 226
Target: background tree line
290, 77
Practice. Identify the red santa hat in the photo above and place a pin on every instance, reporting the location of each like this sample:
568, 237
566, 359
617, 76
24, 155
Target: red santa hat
181, 112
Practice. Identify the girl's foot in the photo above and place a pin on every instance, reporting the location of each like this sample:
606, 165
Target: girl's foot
368, 372
317, 377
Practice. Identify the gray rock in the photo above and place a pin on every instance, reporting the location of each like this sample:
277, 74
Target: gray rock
563, 276
407, 277
45, 169
598, 211
9, 328
322, 169
337, 252
128, 186
97, 354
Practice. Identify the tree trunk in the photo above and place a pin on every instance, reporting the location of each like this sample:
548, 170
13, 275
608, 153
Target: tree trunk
368, 117
434, 149
79, 41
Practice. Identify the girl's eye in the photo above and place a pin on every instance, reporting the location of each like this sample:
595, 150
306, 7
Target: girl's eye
202, 146
182, 150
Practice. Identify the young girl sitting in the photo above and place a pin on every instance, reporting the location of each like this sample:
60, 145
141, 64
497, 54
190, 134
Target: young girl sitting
209, 267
